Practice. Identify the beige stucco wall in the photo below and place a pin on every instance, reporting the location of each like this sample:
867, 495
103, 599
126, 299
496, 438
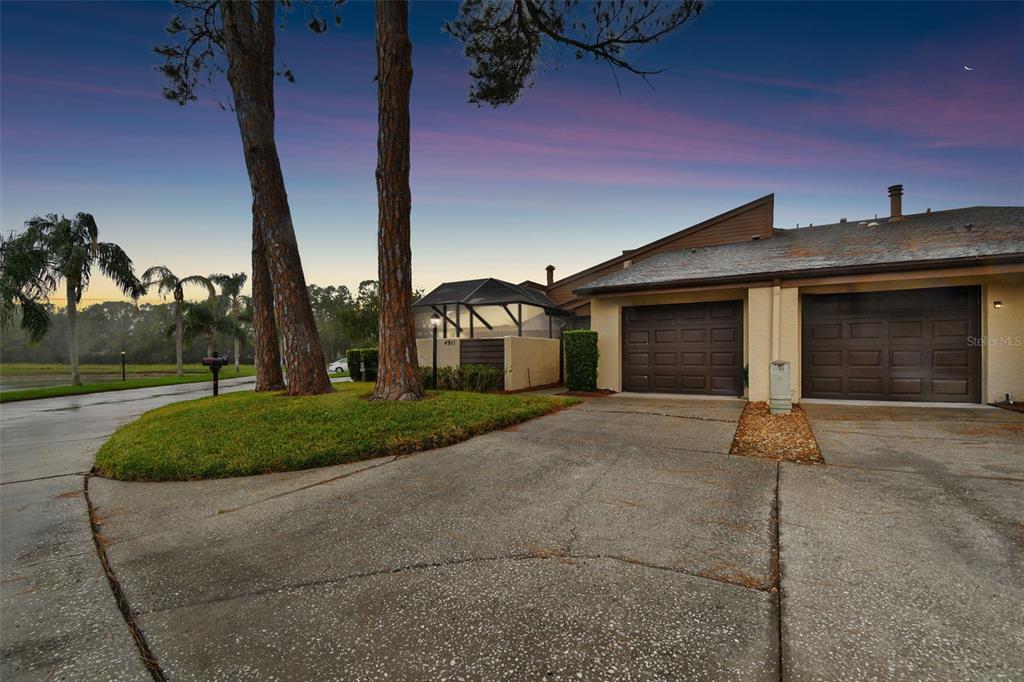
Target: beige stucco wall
1003, 330
447, 352
789, 338
772, 323
758, 341
530, 362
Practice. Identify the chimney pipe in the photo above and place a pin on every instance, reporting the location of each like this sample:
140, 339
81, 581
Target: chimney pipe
551, 274
895, 203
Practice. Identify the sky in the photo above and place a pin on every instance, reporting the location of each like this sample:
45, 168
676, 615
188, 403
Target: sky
824, 104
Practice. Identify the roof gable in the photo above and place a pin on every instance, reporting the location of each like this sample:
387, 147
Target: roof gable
752, 220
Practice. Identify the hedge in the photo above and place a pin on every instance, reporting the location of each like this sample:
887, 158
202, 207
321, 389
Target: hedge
355, 368
369, 357
476, 378
580, 360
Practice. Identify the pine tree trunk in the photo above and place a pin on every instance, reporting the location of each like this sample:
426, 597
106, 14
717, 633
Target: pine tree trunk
249, 44
266, 348
76, 377
398, 375
178, 369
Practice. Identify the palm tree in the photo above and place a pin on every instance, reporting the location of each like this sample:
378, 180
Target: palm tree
167, 282
231, 293
72, 248
207, 319
24, 280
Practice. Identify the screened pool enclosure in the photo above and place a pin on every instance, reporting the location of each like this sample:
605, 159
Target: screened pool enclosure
487, 309
510, 327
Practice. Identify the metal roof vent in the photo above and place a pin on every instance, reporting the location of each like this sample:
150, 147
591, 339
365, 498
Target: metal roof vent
872, 224
862, 224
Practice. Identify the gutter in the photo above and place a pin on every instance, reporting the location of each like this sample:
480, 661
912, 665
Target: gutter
804, 273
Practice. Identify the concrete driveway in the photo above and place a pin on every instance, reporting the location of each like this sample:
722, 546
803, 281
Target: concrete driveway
613, 540
903, 557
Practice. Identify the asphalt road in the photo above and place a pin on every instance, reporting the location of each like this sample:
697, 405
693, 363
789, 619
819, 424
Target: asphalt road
59, 619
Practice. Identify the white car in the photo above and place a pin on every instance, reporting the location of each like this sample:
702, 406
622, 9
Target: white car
337, 366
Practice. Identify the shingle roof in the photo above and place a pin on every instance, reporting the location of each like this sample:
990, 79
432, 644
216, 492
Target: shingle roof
481, 292
967, 234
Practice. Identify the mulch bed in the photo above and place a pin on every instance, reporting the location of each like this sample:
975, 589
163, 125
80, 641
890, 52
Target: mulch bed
600, 393
778, 437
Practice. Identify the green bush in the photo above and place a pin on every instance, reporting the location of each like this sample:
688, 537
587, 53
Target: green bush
580, 360
476, 378
355, 368
370, 357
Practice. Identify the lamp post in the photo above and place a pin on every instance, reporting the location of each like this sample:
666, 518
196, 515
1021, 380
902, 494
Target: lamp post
435, 322
122, 367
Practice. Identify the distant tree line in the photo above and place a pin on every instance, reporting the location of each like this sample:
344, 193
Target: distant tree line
146, 333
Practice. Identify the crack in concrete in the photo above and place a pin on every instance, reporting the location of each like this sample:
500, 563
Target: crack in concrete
534, 554
325, 481
149, 659
44, 478
665, 414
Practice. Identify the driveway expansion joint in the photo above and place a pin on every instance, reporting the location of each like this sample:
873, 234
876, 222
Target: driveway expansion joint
776, 566
149, 659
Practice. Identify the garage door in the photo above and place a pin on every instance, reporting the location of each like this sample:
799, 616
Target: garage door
893, 345
688, 348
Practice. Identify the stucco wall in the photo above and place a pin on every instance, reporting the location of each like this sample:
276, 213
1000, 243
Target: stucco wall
1003, 330
530, 362
758, 341
447, 352
789, 338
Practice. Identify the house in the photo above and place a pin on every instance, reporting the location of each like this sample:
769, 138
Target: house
923, 307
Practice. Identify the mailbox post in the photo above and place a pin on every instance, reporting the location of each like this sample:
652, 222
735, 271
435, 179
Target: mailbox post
215, 363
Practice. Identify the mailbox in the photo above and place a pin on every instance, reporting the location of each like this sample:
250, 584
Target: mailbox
215, 363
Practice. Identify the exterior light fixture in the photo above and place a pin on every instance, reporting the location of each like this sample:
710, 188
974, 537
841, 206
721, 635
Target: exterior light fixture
435, 322
997, 304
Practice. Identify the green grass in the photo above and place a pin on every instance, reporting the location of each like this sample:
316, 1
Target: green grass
118, 385
241, 434
30, 368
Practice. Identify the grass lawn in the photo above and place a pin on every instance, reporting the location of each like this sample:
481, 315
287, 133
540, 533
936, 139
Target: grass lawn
15, 395
159, 378
36, 368
255, 433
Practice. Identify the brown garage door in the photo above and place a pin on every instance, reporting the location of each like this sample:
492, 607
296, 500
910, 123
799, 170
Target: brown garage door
688, 348
893, 345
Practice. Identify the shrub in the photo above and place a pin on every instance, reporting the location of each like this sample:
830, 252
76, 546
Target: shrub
355, 370
369, 357
477, 378
580, 360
